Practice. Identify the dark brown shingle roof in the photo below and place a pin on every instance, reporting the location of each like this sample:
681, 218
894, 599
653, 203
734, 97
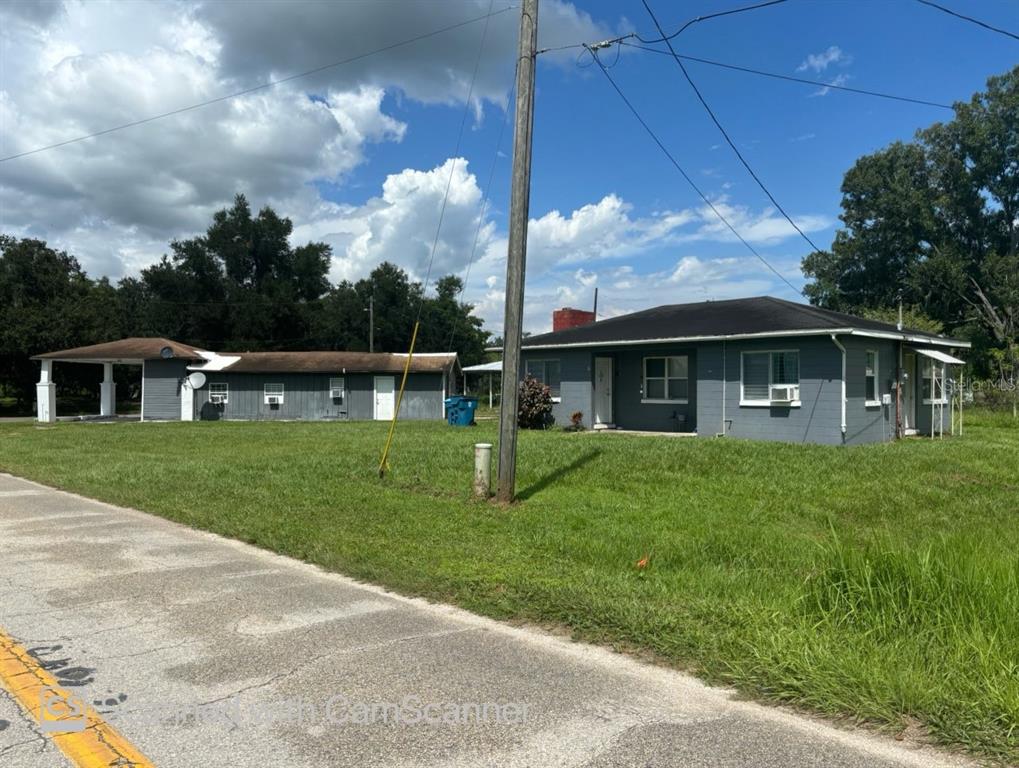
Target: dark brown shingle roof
336, 362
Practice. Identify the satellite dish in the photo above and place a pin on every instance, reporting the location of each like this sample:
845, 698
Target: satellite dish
196, 380
166, 353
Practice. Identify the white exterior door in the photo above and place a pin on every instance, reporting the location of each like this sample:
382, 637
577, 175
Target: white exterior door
603, 390
385, 397
909, 385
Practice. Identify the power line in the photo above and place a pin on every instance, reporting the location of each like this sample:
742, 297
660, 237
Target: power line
790, 78
633, 35
666, 38
686, 176
724, 133
263, 86
970, 19
481, 215
456, 155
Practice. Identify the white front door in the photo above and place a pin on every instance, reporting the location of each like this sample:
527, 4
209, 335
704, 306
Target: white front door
603, 390
385, 397
909, 385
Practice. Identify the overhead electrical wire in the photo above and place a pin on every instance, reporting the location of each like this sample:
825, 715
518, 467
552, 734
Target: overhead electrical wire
666, 38
261, 87
456, 155
384, 459
790, 78
970, 19
687, 177
725, 134
484, 207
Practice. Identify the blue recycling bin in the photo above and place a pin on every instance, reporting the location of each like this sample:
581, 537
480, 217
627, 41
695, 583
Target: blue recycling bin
460, 410
453, 407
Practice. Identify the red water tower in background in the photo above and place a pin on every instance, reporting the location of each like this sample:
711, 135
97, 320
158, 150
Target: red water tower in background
570, 318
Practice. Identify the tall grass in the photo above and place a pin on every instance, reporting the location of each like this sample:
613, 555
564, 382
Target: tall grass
879, 583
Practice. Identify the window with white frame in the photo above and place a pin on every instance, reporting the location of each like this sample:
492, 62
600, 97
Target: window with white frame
337, 388
870, 379
666, 379
547, 372
219, 392
770, 378
932, 388
273, 394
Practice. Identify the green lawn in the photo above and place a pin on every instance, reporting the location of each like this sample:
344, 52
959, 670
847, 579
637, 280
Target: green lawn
879, 583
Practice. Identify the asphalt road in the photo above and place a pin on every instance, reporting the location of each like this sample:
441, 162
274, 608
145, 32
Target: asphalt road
204, 652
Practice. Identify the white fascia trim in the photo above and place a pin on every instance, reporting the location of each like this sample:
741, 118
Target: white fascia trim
741, 336
913, 339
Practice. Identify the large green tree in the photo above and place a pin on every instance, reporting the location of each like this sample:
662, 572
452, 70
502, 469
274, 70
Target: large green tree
240, 285
447, 323
47, 302
934, 223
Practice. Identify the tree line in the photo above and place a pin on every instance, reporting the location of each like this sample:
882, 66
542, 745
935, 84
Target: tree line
933, 223
239, 287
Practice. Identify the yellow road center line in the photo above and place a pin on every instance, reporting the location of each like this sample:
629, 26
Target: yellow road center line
82, 735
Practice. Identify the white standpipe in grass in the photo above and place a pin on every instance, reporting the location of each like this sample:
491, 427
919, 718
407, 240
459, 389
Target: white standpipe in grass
482, 469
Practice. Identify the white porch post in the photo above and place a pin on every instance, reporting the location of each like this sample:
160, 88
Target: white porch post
107, 392
46, 394
187, 401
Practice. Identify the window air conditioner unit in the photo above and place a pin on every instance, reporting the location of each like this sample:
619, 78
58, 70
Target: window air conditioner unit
784, 393
336, 393
273, 400
217, 399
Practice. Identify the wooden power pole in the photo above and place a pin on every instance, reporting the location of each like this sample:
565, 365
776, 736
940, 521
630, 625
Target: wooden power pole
520, 197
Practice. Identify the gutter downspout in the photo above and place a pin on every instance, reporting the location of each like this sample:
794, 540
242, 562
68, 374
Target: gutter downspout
842, 349
724, 376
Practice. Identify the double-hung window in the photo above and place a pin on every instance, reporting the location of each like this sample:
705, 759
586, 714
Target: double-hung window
870, 379
219, 392
932, 387
273, 394
547, 372
337, 388
666, 379
770, 378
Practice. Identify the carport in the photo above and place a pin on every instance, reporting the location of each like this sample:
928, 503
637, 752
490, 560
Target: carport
491, 369
133, 351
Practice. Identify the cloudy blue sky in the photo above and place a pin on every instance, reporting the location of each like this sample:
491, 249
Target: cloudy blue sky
360, 155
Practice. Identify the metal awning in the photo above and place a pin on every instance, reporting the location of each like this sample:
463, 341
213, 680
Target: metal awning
495, 367
937, 354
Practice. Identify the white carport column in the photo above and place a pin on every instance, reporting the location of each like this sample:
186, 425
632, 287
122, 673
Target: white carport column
187, 401
46, 395
107, 392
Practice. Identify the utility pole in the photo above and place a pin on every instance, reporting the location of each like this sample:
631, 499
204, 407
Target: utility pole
371, 322
516, 258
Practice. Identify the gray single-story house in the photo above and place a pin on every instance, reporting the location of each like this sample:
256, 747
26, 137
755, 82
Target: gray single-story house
185, 383
760, 368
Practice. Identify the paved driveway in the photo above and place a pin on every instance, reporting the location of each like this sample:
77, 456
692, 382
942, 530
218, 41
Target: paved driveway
202, 651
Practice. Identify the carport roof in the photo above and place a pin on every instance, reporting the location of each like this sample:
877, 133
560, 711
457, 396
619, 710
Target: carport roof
132, 350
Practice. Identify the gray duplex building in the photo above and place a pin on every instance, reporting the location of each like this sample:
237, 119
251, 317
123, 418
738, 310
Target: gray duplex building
761, 368
185, 383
